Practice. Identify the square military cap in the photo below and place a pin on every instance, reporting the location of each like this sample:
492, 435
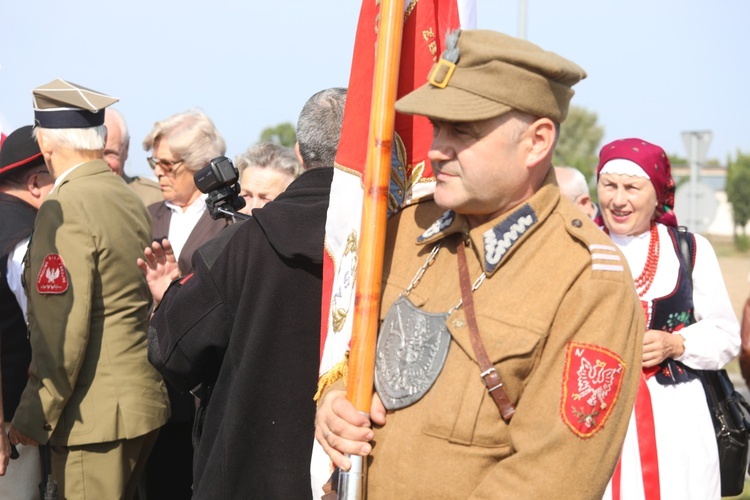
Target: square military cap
484, 74
61, 104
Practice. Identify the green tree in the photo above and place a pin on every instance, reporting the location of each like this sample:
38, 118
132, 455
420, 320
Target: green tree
578, 145
738, 194
283, 134
675, 160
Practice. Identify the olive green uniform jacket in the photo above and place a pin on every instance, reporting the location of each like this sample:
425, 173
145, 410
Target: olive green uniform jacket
562, 325
146, 189
89, 380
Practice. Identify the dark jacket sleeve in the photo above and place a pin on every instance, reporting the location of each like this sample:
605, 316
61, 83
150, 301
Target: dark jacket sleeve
190, 329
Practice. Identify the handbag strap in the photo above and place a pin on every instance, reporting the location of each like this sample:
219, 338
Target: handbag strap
489, 374
685, 249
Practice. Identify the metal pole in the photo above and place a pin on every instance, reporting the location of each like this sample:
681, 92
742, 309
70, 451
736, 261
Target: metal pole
353, 483
692, 219
522, 19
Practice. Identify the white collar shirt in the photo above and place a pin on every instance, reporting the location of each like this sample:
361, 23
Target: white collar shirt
182, 222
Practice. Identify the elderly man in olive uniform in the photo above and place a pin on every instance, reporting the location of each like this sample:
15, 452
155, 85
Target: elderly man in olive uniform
91, 392
116, 151
524, 390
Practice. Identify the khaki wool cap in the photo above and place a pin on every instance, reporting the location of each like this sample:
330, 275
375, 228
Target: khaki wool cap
494, 74
61, 104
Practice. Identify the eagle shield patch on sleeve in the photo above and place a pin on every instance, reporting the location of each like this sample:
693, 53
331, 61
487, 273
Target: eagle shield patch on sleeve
591, 385
52, 278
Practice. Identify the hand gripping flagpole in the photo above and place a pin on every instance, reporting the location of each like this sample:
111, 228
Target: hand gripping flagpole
352, 484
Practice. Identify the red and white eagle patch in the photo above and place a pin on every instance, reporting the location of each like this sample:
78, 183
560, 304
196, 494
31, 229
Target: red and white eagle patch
52, 277
591, 386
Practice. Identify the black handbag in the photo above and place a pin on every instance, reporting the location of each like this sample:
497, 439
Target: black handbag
729, 411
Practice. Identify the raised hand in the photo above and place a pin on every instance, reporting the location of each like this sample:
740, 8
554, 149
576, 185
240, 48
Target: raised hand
159, 265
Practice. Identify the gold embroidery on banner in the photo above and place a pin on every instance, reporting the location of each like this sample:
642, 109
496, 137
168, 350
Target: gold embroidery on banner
348, 170
351, 243
409, 9
338, 316
429, 37
339, 312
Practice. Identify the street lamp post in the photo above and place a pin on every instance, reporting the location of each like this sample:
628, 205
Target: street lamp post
522, 19
696, 142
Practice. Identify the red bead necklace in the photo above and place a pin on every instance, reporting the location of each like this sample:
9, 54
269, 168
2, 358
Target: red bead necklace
646, 278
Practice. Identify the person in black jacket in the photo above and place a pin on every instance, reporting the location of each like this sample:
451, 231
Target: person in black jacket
24, 183
245, 325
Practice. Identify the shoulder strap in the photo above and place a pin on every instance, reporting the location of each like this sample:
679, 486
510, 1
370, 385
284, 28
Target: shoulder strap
686, 249
489, 374
683, 238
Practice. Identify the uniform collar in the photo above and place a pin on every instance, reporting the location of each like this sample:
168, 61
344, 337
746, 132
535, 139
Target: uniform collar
80, 170
497, 239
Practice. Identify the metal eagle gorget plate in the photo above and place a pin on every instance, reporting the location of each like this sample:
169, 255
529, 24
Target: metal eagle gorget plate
412, 347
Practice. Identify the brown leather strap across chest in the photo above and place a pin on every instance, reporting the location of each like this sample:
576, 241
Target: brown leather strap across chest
489, 374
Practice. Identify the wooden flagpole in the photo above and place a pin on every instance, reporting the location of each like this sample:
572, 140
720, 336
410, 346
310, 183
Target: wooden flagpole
372, 238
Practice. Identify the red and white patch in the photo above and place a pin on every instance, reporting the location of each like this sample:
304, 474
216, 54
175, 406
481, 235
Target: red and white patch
52, 277
591, 386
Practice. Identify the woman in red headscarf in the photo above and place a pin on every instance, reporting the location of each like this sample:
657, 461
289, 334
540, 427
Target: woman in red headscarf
670, 448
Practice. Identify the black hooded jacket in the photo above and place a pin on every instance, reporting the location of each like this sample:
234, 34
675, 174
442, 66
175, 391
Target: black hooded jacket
247, 324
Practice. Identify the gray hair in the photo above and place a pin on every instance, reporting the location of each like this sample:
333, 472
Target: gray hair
117, 117
80, 139
270, 155
191, 136
319, 127
575, 185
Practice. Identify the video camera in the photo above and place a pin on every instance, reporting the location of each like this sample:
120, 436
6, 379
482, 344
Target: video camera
218, 179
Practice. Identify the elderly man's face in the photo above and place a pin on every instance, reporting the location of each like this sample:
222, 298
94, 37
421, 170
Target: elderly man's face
480, 166
115, 149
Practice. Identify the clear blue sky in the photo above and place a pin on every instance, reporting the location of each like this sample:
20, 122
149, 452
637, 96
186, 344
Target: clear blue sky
656, 67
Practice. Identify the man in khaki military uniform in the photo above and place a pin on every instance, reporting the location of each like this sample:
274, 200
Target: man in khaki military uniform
91, 392
556, 313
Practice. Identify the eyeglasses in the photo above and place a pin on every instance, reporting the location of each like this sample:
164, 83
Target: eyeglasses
167, 166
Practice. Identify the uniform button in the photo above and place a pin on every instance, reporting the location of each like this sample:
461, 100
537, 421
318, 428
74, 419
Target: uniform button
577, 223
47, 427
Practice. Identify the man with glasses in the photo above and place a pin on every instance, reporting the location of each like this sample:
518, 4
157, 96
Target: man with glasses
91, 394
24, 183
